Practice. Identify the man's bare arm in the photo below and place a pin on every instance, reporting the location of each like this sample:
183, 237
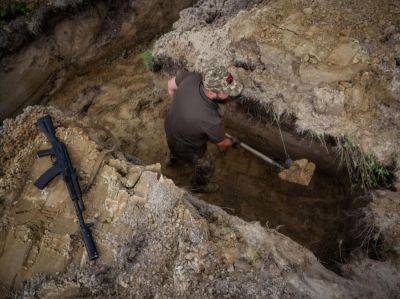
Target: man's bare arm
172, 87
225, 144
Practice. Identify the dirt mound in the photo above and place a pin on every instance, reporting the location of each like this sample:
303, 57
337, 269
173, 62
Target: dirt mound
153, 238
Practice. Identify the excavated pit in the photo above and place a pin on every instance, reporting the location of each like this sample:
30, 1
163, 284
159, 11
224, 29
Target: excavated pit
118, 95
316, 216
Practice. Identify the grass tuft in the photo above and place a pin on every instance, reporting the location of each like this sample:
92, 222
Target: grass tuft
319, 137
364, 169
148, 60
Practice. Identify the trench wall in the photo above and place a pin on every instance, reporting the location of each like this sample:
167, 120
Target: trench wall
263, 133
74, 38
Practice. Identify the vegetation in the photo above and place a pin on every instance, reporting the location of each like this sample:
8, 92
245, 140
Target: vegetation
13, 11
363, 169
320, 137
148, 60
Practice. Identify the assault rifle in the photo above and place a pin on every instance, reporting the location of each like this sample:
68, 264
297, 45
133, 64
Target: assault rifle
62, 165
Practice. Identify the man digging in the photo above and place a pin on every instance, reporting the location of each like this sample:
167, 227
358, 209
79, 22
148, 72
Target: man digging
193, 119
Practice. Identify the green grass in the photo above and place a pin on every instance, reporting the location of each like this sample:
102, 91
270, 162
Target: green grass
148, 60
320, 137
363, 169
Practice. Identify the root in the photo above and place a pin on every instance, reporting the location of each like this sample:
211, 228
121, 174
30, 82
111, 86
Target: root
365, 234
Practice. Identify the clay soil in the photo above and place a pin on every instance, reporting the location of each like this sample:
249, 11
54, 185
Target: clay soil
120, 94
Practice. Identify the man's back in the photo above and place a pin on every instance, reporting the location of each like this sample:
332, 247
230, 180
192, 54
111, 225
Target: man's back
193, 119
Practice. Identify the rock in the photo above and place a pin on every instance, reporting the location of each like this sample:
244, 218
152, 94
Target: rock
347, 53
121, 166
75, 37
16, 250
300, 172
133, 177
329, 101
55, 248
315, 75
357, 100
308, 11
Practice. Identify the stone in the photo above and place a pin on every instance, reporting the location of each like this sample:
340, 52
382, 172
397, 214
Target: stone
53, 254
317, 74
15, 251
308, 11
300, 172
358, 100
329, 101
133, 176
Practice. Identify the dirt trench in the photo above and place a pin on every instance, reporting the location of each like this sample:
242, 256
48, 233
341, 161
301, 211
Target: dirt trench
40, 51
132, 102
118, 92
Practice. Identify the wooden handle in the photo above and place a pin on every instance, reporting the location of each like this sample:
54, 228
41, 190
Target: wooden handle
257, 153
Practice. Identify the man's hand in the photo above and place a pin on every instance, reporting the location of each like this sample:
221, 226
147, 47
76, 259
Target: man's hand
225, 144
235, 142
172, 87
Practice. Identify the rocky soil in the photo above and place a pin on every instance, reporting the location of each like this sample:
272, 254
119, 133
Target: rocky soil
154, 239
40, 51
331, 66
131, 102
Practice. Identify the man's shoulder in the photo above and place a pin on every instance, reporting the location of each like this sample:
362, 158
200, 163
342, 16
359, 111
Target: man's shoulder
184, 74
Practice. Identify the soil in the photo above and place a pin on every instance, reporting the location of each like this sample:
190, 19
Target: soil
133, 109
157, 238
314, 216
40, 51
331, 66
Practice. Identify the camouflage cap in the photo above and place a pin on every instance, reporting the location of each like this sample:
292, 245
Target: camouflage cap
218, 79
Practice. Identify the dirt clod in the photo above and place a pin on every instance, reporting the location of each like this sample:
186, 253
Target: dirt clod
300, 172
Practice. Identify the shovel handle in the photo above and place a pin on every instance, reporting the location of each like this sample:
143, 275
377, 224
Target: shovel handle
258, 154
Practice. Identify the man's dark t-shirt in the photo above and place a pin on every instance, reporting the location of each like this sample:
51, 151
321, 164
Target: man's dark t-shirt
193, 119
